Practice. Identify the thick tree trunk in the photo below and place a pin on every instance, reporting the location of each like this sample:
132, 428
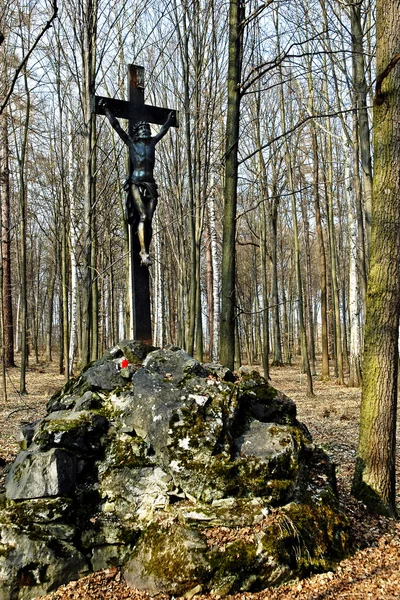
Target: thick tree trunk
374, 478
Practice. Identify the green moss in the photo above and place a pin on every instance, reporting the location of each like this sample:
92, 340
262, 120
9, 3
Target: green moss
5, 549
105, 411
131, 356
101, 531
173, 555
252, 377
22, 512
126, 451
370, 497
266, 393
307, 538
256, 478
237, 558
59, 425
65, 390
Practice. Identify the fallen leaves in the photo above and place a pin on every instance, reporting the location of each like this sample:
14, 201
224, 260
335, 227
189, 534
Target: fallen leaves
373, 570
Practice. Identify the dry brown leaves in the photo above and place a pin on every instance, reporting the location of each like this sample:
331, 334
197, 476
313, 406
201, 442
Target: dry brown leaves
373, 570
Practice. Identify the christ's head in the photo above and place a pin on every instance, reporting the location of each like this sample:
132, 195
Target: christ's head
142, 130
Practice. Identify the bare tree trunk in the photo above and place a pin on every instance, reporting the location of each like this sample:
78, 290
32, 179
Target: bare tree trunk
23, 251
2, 336
333, 262
64, 283
322, 261
361, 252
89, 64
215, 277
158, 296
354, 310
265, 316
50, 296
7, 293
360, 86
3, 361
94, 319
308, 287
72, 252
228, 276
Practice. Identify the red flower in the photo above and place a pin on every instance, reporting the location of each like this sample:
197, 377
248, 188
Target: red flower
124, 363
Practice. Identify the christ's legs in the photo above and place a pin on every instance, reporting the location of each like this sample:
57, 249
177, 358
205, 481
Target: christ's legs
145, 208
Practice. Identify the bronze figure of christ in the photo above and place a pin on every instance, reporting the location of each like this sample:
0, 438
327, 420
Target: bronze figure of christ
141, 188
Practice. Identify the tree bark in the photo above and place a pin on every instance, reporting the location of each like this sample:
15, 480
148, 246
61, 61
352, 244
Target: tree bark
72, 250
337, 330
374, 477
228, 274
23, 251
360, 86
9, 360
89, 63
354, 300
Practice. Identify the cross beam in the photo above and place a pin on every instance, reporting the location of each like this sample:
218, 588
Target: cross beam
134, 112
134, 109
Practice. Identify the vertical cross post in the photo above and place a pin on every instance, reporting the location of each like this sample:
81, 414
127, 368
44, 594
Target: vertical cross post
140, 317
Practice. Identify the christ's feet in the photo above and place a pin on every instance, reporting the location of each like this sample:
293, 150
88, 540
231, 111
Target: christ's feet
145, 259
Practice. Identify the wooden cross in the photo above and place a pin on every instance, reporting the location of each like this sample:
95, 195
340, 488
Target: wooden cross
134, 109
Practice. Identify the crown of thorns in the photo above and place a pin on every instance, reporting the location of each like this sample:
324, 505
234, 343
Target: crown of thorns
138, 125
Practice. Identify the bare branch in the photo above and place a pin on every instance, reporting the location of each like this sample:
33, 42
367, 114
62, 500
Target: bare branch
292, 129
256, 13
47, 26
260, 70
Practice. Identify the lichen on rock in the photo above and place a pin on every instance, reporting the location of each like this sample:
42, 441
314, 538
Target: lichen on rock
189, 477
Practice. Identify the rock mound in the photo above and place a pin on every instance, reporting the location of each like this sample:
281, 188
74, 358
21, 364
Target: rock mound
188, 477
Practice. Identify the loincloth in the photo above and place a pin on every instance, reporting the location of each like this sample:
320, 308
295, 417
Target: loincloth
146, 189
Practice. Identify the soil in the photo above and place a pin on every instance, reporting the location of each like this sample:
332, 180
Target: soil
332, 416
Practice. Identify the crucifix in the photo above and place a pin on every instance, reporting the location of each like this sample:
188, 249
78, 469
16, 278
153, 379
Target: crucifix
140, 186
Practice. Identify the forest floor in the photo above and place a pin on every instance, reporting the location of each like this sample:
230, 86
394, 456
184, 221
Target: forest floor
371, 572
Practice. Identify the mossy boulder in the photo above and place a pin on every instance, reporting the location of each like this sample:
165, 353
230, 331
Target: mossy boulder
189, 477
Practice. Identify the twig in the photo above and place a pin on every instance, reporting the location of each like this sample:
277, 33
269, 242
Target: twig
26, 57
26, 407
